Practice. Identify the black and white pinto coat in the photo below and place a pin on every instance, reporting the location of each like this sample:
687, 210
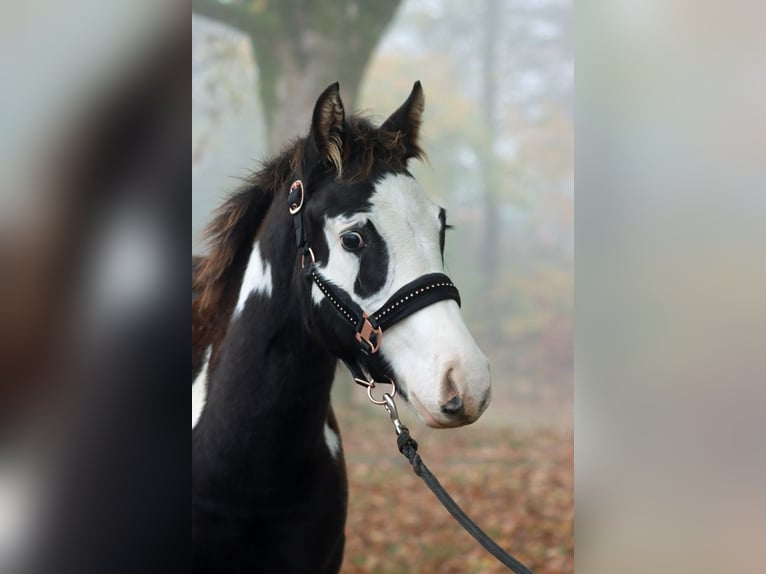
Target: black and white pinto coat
268, 477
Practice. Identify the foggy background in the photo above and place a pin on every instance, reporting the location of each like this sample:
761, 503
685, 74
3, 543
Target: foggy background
498, 79
670, 151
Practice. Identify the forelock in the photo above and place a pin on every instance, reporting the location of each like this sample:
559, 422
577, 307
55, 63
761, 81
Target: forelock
367, 150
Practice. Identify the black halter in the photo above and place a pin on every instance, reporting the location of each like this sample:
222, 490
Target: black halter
368, 328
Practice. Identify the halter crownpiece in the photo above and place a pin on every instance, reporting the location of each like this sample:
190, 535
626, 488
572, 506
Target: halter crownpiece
368, 328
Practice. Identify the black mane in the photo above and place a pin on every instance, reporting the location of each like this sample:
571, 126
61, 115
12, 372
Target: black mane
364, 148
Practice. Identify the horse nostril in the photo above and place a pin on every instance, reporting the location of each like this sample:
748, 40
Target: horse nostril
453, 407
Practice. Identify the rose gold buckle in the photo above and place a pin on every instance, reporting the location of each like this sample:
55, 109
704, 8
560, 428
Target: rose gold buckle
365, 333
296, 207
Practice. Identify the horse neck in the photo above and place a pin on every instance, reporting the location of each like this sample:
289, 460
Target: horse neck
269, 389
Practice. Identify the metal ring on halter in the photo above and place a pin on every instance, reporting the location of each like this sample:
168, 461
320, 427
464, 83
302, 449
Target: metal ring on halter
303, 257
371, 385
383, 401
296, 207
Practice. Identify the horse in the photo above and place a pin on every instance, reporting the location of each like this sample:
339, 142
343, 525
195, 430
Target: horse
332, 251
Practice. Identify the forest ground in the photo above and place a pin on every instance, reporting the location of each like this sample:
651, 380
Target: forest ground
513, 474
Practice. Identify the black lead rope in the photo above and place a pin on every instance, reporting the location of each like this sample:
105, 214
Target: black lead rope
409, 448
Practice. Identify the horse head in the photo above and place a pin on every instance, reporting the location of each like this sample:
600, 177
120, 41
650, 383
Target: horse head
371, 232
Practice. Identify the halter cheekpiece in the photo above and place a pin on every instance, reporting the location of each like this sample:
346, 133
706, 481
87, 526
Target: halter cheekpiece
368, 328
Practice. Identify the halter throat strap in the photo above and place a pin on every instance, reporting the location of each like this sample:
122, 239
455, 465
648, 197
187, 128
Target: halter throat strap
368, 328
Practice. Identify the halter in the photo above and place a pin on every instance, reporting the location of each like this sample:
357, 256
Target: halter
368, 328
368, 331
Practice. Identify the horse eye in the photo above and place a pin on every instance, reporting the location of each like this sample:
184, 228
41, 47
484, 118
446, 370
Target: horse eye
352, 241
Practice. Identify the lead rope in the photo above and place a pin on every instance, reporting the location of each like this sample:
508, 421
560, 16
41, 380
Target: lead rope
409, 448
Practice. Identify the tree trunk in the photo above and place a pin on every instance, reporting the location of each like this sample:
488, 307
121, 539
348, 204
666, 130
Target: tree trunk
291, 90
301, 48
491, 238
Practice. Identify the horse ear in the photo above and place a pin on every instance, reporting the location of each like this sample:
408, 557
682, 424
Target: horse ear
327, 123
408, 119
